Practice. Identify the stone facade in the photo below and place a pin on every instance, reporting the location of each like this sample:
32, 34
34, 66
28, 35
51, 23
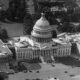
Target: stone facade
30, 53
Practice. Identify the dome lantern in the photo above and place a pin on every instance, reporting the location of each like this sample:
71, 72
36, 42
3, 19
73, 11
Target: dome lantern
43, 16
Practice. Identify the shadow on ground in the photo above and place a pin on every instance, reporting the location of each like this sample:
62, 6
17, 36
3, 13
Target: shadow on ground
69, 61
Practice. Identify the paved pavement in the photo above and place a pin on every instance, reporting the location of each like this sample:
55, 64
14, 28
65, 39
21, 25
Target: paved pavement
49, 71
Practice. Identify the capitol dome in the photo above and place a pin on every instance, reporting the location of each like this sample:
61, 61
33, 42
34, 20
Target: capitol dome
42, 23
42, 31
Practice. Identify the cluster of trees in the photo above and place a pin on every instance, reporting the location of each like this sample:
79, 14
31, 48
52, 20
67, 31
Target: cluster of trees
15, 12
28, 24
3, 76
3, 34
69, 27
54, 34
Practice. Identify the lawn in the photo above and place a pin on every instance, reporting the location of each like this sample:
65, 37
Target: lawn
13, 29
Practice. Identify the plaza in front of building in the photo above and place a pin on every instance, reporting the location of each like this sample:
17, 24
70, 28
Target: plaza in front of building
59, 70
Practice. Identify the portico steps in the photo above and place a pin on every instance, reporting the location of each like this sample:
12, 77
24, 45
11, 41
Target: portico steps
47, 59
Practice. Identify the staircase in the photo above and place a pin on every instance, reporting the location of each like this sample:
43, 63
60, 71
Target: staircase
47, 59
42, 59
52, 58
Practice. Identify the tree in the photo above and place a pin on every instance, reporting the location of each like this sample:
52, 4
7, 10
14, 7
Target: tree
11, 12
21, 11
67, 27
28, 24
51, 18
16, 10
54, 34
3, 34
78, 28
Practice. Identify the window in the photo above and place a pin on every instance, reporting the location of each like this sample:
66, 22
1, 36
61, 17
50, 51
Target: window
19, 55
23, 53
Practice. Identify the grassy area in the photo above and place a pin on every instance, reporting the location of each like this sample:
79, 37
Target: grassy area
13, 29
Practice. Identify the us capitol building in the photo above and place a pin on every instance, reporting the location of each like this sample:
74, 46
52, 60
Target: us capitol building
40, 44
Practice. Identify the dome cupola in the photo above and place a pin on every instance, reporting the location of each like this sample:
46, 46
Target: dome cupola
42, 31
42, 23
